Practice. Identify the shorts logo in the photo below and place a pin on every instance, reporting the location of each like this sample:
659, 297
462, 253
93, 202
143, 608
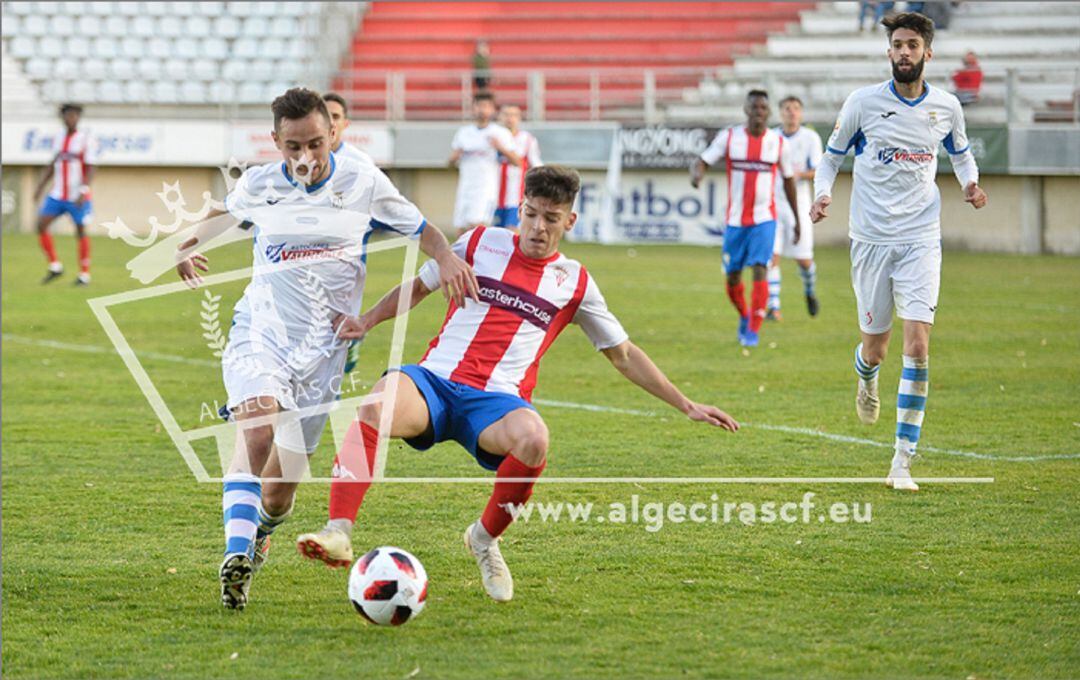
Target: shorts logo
893, 153
869, 318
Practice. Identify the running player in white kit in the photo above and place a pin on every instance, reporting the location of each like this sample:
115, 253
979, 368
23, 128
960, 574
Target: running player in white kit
895, 129
475, 151
804, 148
313, 214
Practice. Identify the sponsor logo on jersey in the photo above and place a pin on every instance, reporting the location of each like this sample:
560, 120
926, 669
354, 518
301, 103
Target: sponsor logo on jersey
888, 114
283, 252
896, 154
528, 306
752, 166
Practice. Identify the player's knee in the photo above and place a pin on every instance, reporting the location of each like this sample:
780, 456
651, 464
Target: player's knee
532, 445
874, 355
918, 348
277, 498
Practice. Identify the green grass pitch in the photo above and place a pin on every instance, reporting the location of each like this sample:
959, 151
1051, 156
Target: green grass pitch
111, 548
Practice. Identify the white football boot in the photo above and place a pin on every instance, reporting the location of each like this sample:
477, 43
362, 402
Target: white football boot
900, 475
330, 545
867, 403
498, 582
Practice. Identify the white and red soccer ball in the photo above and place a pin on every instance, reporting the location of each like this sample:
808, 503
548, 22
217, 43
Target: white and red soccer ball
388, 586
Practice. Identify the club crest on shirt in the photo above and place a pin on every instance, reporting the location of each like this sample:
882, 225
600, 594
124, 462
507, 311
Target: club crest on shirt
933, 117
561, 275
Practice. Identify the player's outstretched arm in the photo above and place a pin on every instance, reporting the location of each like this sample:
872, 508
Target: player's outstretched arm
188, 262
352, 328
456, 277
697, 172
635, 364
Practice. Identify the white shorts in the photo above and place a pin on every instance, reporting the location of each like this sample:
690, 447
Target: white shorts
258, 370
473, 208
785, 234
906, 276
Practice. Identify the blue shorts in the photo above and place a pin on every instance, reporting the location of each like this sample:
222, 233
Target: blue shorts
506, 217
54, 207
460, 413
748, 246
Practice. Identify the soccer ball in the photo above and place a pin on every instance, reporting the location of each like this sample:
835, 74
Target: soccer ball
388, 586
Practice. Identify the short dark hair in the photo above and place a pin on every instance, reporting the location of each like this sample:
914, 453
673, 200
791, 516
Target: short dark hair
791, 98
483, 97
757, 93
556, 183
920, 23
298, 103
70, 106
337, 99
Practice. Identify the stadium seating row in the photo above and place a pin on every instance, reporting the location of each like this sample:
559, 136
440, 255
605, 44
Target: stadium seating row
179, 9
23, 47
169, 26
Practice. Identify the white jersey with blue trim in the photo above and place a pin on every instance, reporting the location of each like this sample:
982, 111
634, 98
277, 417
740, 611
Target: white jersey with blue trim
895, 198
346, 150
309, 249
804, 150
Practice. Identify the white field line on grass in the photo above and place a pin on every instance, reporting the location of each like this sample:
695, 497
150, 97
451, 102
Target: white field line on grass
97, 349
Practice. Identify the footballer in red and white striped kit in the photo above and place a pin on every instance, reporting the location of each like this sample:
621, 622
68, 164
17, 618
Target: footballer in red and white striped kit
474, 383
71, 170
755, 156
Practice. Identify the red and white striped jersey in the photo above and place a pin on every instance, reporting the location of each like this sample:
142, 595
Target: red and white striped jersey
73, 153
512, 177
752, 166
496, 344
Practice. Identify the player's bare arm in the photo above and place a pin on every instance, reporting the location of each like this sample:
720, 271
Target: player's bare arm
46, 177
697, 172
635, 364
84, 190
456, 277
511, 157
353, 328
190, 262
792, 198
455, 156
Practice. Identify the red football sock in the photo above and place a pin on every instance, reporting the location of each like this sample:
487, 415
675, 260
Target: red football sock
47, 245
353, 467
496, 517
759, 298
736, 294
84, 254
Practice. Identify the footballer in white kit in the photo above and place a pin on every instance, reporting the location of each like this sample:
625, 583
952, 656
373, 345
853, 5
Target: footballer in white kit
475, 150
512, 177
474, 384
804, 150
312, 214
894, 129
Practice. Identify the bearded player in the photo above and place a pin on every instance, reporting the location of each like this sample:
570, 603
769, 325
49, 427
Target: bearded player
475, 382
894, 129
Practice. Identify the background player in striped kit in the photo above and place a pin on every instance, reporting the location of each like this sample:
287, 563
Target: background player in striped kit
805, 152
475, 381
895, 129
755, 155
72, 170
512, 177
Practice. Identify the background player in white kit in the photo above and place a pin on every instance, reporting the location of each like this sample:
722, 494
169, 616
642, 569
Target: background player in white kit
475, 150
804, 149
339, 122
71, 170
283, 356
512, 177
895, 128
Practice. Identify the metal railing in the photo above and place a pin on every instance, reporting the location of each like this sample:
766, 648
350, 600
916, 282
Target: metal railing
545, 94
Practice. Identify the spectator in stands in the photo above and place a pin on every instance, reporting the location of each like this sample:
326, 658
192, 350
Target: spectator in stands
968, 80
879, 8
481, 63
